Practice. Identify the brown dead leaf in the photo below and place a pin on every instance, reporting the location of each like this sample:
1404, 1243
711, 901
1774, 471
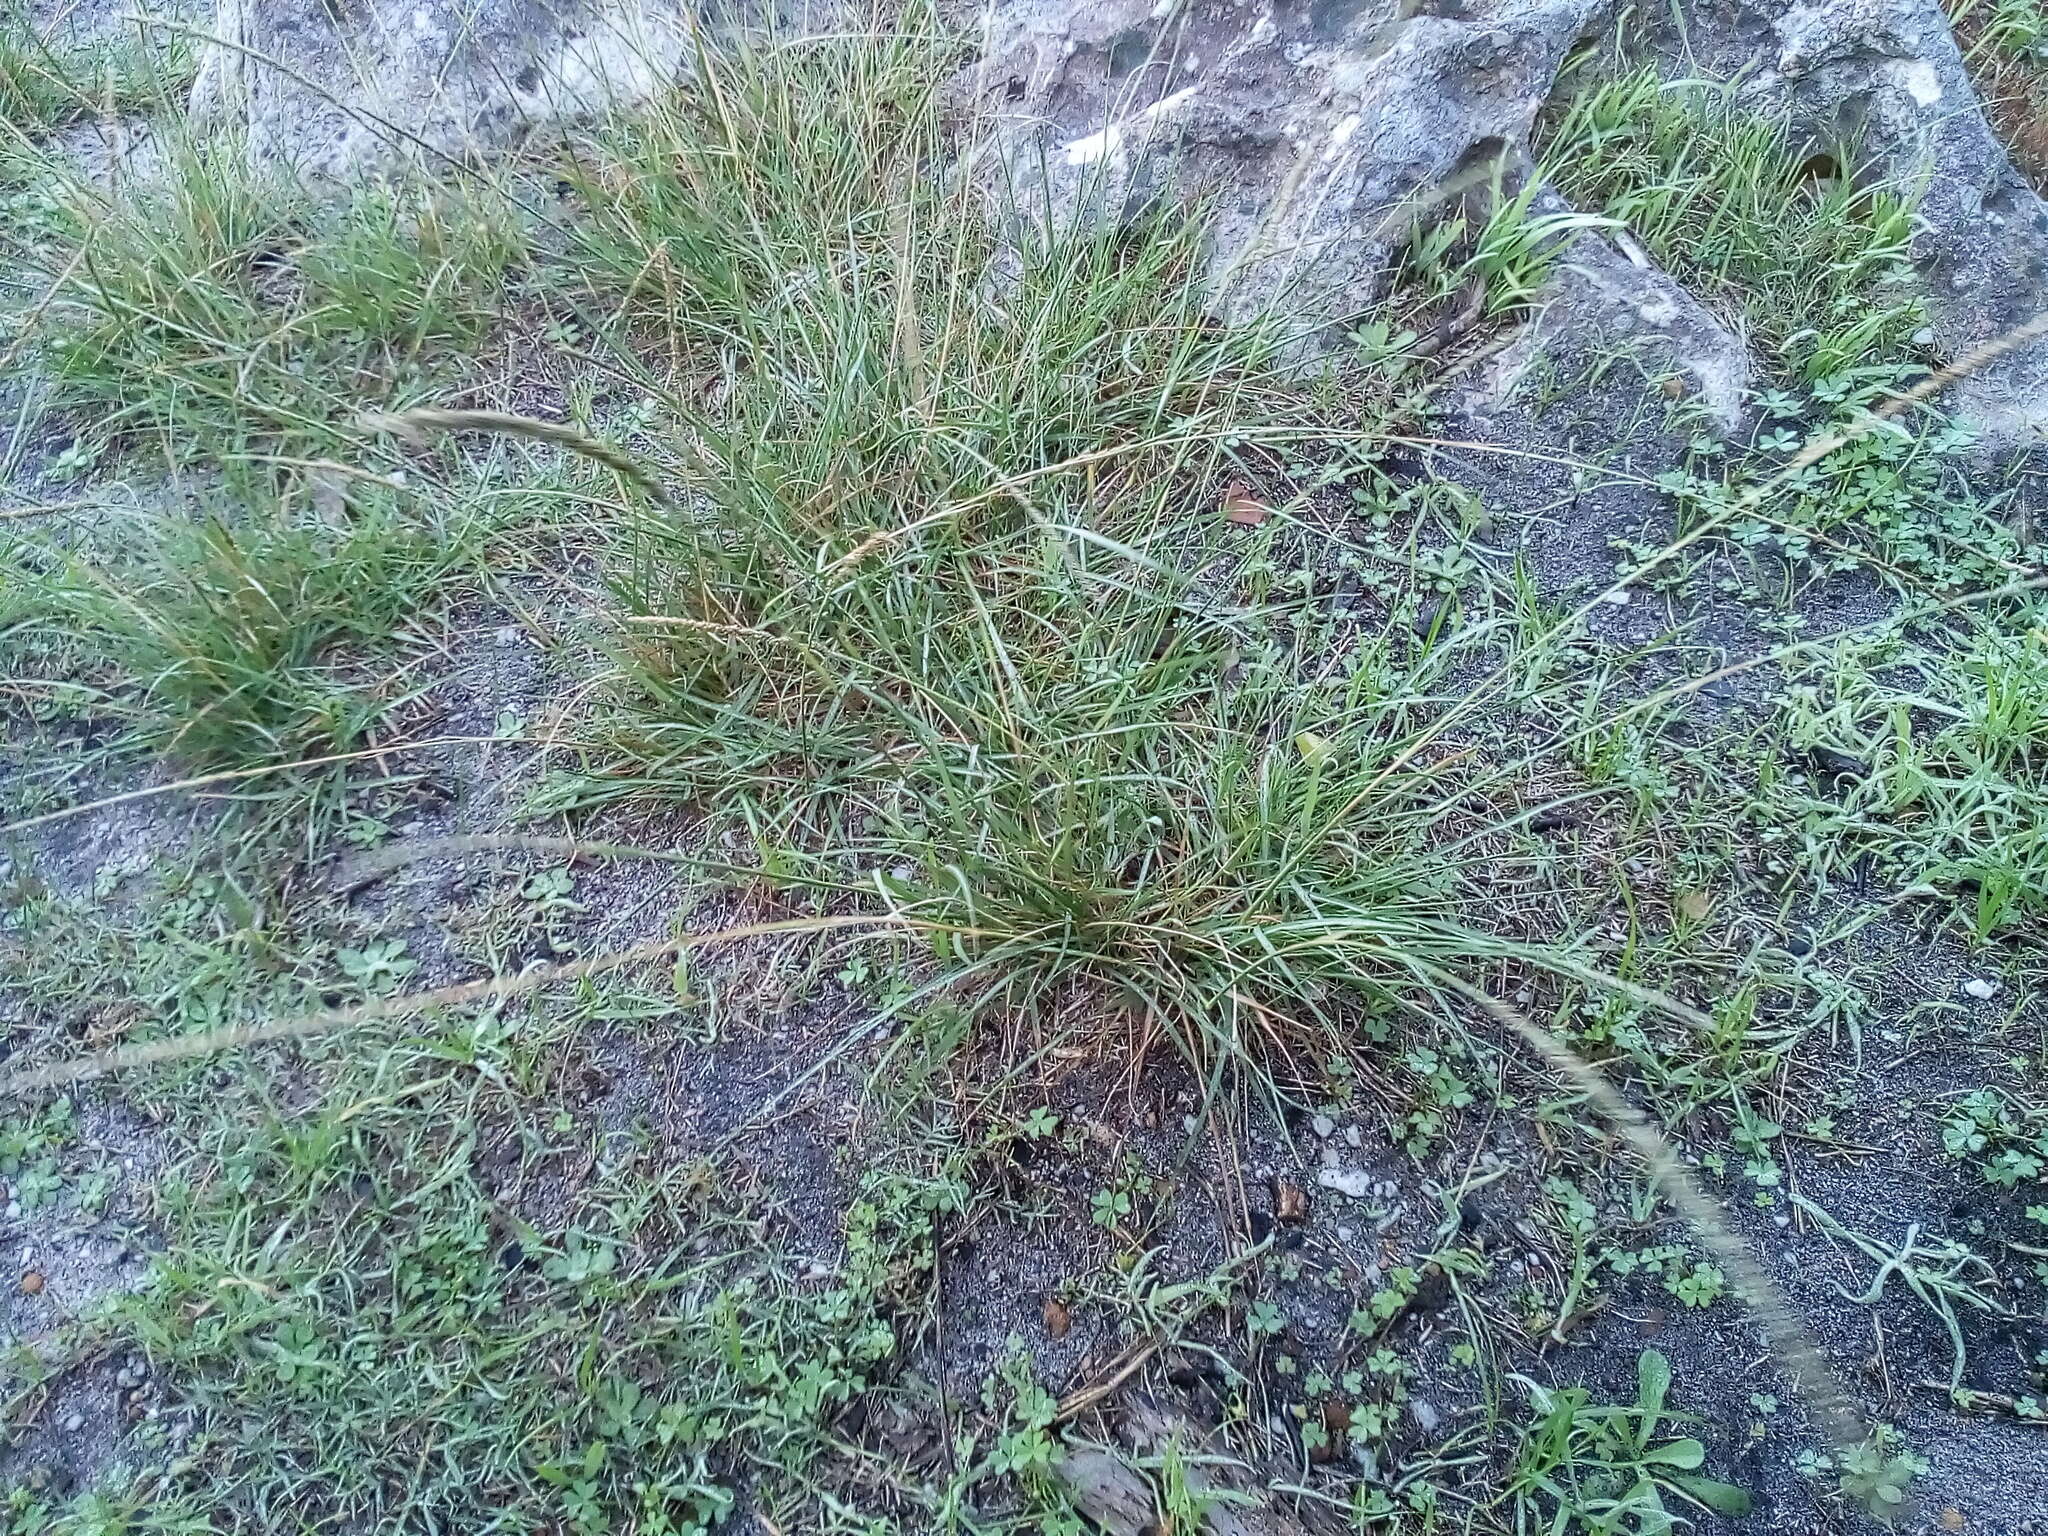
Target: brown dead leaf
1057, 1319
31, 1284
1290, 1201
1693, 906
1240, 506
1952, 1519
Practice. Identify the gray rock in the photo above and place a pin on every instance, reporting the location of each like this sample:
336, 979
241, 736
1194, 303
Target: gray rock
1354, 1182
1599, 308
1889, 72
326, 91
1316, 133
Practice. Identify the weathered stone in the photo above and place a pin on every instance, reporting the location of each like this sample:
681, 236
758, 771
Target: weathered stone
1603, 309
331, 87
1316, 133
1888, 74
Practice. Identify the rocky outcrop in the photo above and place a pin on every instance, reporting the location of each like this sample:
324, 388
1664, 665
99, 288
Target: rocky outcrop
1318, 135
1315, 131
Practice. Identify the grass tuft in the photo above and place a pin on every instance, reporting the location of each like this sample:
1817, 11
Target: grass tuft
258, 635
49, 80
1784, 237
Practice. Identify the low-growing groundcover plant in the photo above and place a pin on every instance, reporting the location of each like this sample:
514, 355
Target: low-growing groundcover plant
978, 584
1602, 1468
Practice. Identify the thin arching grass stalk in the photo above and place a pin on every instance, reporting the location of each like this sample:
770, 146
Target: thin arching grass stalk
413, 426
1793, 1346
495, 989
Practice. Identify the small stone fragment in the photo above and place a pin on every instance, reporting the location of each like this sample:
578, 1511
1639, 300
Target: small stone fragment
32, 1284
1980, 988
1354, 1182
1322, 1125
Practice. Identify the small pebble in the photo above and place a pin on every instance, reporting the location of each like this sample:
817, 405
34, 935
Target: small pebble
1980, 989
1355, 1182
31, 1284
13, 1209
1618, 598
1322, 1125
1352, 1136
73, 1423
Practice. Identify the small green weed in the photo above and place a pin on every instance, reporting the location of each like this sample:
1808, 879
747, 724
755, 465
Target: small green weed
1586, 1467
2002, 1136
1898, 500
1927, 760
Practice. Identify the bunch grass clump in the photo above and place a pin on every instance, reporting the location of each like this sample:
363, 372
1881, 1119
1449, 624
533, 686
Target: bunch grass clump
212, 311
945, 611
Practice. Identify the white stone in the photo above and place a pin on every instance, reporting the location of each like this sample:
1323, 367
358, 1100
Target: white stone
1354, 1182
